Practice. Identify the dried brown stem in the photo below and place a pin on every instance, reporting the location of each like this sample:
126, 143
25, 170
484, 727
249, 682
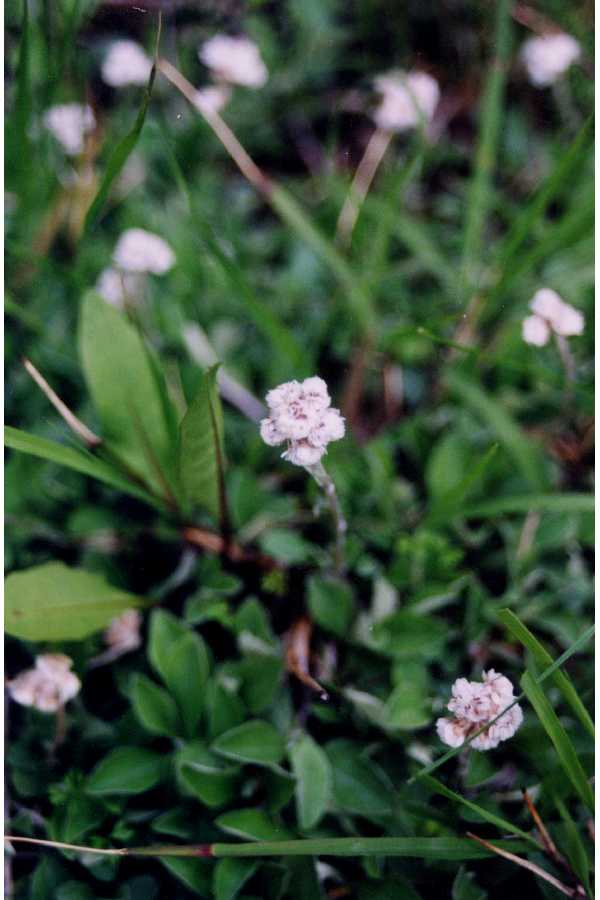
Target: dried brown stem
363, 178
525, 864
75, 424
297, 654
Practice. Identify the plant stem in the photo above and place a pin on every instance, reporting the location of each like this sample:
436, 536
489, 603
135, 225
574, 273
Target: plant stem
325, 482
363, 178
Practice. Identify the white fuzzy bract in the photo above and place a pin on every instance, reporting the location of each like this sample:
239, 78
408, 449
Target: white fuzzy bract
551, 314
473, 704
141, 251
407, 100
126, 63
116, 287
547, 57
301, 414
213, 98
48, 686
69, 123
234, 59
123, 633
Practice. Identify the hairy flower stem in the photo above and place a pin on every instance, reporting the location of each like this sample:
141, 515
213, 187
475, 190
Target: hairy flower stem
325, 482
566, 359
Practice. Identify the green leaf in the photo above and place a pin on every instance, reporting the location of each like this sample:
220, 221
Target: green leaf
480, 193
196, 874
543, 659
312, 770
180, 657
252, 825
120, 155
524, 503
331, 604
452, 503
154, 708
575, 848
230, 876
567, 754
446, 466
122, 382
405, 635
205, 775
126, 770
200, 447
524, 453
79, 460
53, 602
253, 742
359, 785
18, 136
286, 545
503, 824
407, 708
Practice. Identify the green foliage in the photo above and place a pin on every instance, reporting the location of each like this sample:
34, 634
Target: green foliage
465, 474
53, 602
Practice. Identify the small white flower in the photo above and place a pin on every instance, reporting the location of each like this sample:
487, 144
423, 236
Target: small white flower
551, 314
474, 703
212, 98
69, 124
48, 686
536, 331
407, 100
547, 57
234, 59
141, 251
115, 287
300, 413
123, 633
126, 63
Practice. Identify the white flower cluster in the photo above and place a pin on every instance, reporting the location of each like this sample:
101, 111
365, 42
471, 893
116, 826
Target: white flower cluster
68, 124
547, 57
123, 633
213, 98
48, 686
474, 703
551, 315
301, 414
141, 251
126, 63
236, 60
407, 100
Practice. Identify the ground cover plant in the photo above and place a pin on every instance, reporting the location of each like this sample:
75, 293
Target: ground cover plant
299, 428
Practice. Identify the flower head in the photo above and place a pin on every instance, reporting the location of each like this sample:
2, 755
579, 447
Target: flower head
69, 123
123, 633
126, 63
547, 57
473, 703
406, 100
212, 98
48, 686
551, 314
301, 414
234, 59
115, 287
141, 251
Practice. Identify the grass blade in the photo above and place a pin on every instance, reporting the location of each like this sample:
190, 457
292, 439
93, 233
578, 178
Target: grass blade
78, 460
543, 659
523, 503
524, 453
451, 503
122, 151
480, 193
562, 743
498, 821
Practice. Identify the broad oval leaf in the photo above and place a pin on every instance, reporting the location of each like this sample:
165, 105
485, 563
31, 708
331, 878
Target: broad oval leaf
312, 769
230, 876
154, 708
126, 770
253, 742
252, 825
54, 602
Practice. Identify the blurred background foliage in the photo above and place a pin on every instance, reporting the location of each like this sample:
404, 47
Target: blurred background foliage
465, 474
